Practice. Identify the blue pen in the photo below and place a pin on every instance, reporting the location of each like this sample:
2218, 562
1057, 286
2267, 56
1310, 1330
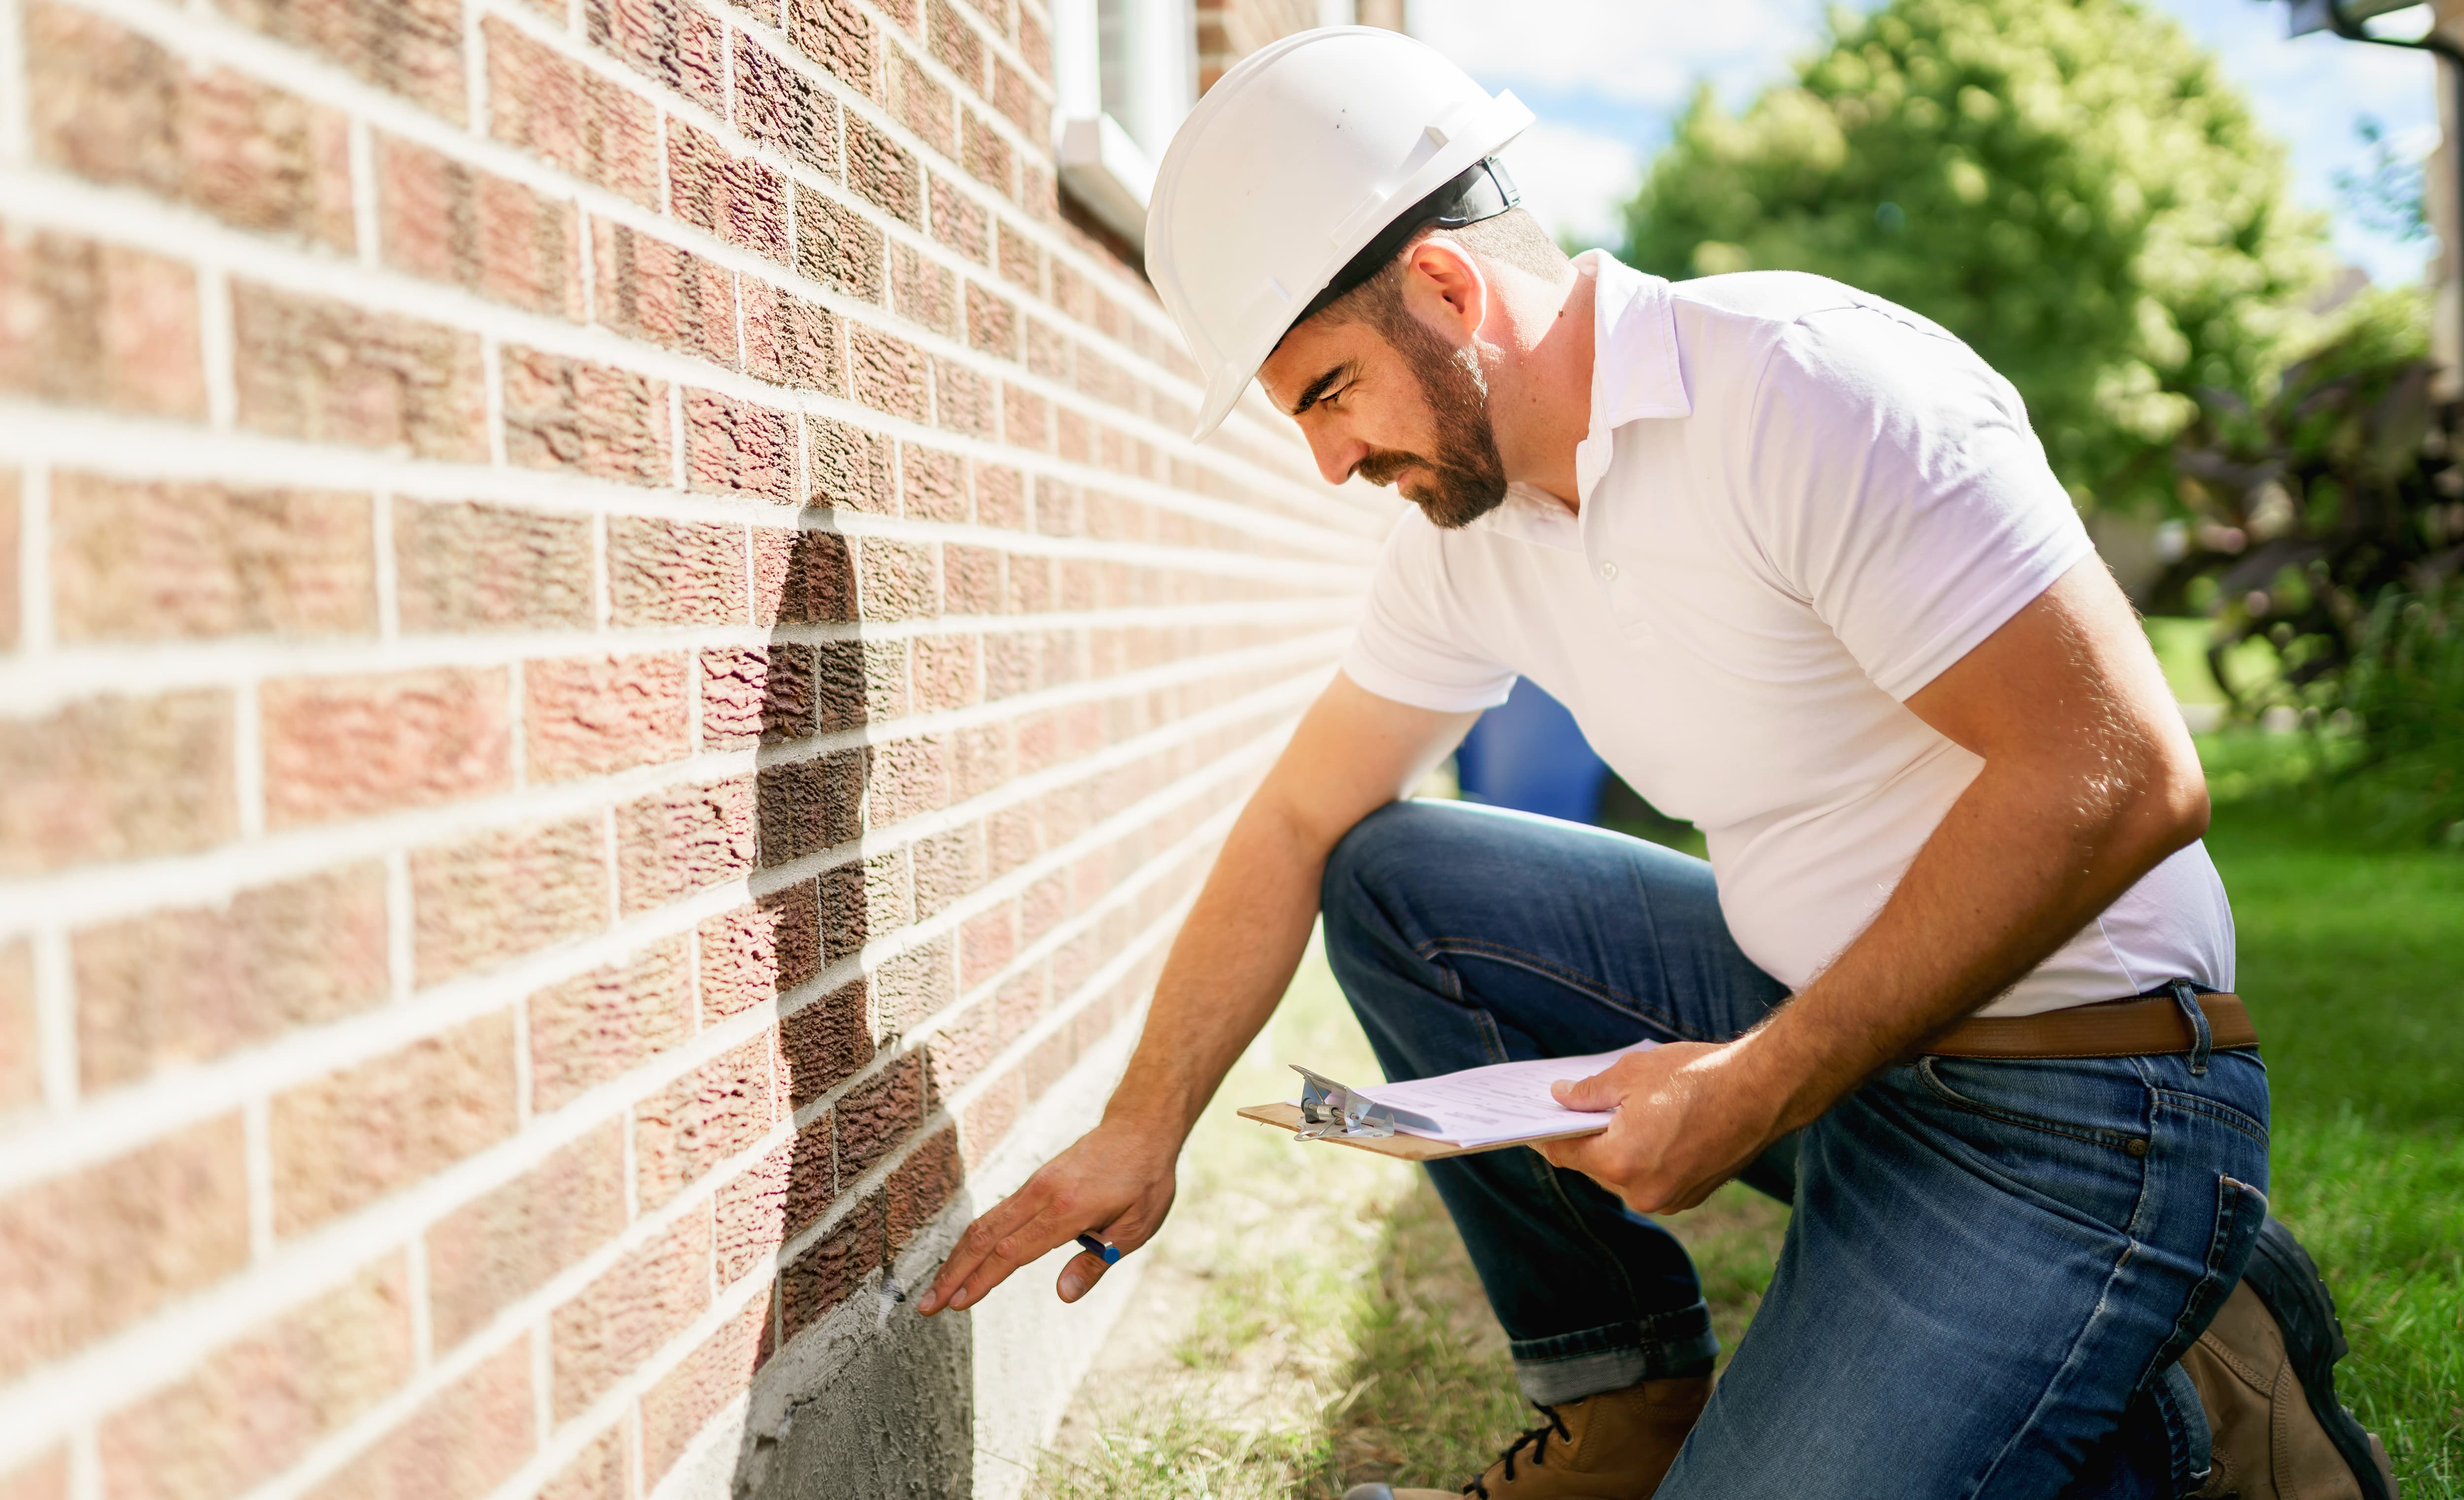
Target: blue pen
1095, 1246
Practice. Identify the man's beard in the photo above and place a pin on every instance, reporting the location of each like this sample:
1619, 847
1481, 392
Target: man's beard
1465, 479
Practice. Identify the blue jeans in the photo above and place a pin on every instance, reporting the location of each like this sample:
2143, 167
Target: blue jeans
1992, 1266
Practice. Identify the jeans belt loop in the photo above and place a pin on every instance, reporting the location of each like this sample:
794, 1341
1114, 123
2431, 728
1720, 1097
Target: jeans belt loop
2202, 1040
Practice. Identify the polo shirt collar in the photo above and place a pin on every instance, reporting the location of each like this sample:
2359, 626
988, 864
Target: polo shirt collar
1635, 370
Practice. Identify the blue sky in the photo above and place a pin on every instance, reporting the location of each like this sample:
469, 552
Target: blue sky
1606, 77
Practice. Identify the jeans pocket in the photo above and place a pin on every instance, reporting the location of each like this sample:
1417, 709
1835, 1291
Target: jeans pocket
2089, 1102
2241, 1212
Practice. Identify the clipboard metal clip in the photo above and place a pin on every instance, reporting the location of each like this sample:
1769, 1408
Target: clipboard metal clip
1333, 1109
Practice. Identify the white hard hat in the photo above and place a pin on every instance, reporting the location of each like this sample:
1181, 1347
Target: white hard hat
1291, 166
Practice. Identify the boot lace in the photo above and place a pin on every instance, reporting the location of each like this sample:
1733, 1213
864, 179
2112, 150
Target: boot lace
1534, 1438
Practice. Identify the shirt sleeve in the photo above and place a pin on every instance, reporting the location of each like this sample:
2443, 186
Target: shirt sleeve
1892, 483
1410, 647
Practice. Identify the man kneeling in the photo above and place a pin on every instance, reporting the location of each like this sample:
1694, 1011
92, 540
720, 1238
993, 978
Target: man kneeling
1796, 564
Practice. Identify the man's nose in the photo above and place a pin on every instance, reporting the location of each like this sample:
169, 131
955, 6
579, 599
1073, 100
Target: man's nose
1337, 455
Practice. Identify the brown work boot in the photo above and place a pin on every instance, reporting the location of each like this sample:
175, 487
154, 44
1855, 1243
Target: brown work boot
1615, 1445
2265, 1372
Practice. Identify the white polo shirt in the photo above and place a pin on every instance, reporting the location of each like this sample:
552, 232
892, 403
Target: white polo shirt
1799, 505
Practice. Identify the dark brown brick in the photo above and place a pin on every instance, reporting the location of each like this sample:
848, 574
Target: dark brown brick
922, 1186
756, 953
810, 806
826, 1042
801, 578
570, 117
755, 695
879, 1113
190, 985
833, 1267
324, 371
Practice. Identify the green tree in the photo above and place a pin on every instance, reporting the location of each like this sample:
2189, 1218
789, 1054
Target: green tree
2068, 185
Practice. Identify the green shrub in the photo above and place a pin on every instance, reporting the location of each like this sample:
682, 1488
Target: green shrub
2405, 691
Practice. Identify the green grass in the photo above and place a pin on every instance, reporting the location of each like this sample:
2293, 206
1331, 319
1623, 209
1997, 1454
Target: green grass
1329, 1331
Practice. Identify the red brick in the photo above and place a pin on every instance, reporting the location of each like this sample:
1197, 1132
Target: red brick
190, 985
490, 898
969, 580
836, 35
466, 1440
832, 1269
884, 172
780, 107
701, 1120
355, 1135
85, 1255
837, 248
755, 695
88, 324
664, 572
920, 103
407, 47
570, 117
810, 804
324, 372
924, 291
860, 902
149, 562
773, 1201
1026, 419
756, 953
490, 567
505, 1244
790, 340
958, 221
735, 447
936, 484
685, 1399
949, 672
1021, 258
598, 1471
964, 401
719, 192
618, 1321
801, 578
1013, 95
594, 1027
957, 42
851, 466
662, 292
42, 1478
922, 1186
900, 581
671, 41
9, 604
985, 152
255, 1406
992, 322
448, 221
912, 986
889, 373
595, 419
592, 716
21, 1070
116, 778
338, 747
115, 107
682, 839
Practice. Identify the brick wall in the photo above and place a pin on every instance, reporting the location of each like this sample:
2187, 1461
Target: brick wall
612, 666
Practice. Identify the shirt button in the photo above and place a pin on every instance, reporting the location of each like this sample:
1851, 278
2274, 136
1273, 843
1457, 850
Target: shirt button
1608, 570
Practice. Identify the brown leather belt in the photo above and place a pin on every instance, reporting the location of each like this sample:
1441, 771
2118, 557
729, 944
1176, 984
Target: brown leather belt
2141, 1027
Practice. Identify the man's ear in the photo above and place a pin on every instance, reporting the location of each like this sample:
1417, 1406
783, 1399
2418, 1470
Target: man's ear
1444, 288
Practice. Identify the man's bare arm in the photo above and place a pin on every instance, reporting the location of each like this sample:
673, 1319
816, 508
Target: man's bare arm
2090, 781
1354, 753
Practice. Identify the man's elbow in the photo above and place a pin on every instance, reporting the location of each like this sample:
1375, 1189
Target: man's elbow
2168, 813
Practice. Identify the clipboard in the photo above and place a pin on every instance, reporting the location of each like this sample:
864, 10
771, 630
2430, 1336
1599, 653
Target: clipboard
1331, 1111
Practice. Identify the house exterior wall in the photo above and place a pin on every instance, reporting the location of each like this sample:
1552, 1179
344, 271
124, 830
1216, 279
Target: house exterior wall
614, 671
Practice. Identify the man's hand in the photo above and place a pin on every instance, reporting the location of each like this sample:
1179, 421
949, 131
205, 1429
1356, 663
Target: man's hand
1114, 1183
1690, 1116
